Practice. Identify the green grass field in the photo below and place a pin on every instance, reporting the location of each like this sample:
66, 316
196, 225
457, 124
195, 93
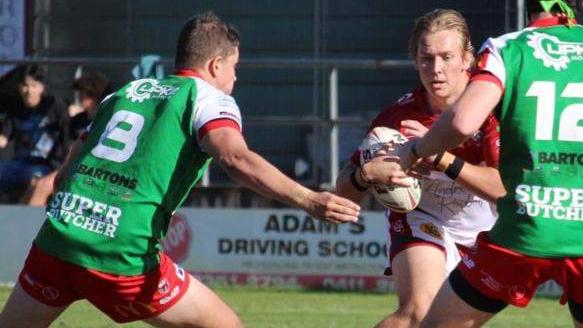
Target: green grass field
262, 308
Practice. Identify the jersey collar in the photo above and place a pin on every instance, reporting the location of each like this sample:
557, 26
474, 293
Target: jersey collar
186, 72
551, 21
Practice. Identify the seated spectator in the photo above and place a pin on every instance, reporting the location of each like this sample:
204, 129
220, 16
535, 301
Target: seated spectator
8, 92
33, 125
89, 89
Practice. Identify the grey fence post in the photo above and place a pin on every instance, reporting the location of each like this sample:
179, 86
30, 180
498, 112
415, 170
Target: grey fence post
520, 14
333, 126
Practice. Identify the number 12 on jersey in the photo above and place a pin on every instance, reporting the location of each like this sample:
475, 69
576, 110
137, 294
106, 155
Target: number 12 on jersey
569, 129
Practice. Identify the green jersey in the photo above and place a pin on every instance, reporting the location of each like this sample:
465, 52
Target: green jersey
541, 125
139, 162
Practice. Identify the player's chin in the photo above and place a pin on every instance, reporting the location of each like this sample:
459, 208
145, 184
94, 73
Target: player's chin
440, 92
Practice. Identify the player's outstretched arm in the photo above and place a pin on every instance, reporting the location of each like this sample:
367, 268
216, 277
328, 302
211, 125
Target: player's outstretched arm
483, 181
229, 149
347, 186
455, 125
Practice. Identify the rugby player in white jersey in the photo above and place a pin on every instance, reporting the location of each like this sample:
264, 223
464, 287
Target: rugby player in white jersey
425, 244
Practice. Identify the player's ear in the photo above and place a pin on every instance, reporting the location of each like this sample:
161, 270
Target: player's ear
214, 65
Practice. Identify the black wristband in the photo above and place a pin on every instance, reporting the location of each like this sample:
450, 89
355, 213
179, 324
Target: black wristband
438, 159
355, 183
454, 169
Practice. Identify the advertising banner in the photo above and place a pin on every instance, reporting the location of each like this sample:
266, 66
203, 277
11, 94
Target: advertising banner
279, 247
12, 31
250, 247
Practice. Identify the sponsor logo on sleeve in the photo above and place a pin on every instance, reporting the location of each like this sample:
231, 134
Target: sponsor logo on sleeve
228, 108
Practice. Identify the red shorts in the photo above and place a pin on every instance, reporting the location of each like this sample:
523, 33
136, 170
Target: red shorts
123, 298
513, 278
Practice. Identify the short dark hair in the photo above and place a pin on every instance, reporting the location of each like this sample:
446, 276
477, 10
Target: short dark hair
203, 37
93, 84
33, 71
534, 6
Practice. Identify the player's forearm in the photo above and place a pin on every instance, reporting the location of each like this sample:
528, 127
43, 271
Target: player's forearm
345, 184
442, 136
462, 120
252, 171
482, 181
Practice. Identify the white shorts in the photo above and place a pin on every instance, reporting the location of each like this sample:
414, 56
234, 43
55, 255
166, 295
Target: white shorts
415, 229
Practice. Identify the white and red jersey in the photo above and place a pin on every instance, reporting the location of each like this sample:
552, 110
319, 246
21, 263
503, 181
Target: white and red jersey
461, 213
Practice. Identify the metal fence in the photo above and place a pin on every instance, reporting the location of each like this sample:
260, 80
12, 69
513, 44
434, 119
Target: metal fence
333, 67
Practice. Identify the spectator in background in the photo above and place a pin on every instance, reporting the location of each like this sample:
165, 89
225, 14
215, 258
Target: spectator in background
8, 92
89, 89
33, 125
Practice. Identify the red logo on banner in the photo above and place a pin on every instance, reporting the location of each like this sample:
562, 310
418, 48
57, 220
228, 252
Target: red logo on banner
177, 241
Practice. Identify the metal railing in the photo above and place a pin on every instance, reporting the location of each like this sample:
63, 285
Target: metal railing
333, 67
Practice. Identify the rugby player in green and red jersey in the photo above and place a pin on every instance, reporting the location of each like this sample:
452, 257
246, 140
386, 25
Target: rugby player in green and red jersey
146, 148
535, 76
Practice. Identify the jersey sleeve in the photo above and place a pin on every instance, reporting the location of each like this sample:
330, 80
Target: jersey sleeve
491, 142
490, 66
215, 110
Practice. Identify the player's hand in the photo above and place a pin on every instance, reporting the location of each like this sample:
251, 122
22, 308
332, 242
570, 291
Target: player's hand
421, 170
74, 109
3, 141
412, 128
405, 155
385, 169
332, 208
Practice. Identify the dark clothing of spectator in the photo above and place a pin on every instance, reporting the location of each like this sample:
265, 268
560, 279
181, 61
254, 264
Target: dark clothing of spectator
78, 125
37, 138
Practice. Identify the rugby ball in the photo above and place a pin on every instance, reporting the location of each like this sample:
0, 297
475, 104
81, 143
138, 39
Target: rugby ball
394, 197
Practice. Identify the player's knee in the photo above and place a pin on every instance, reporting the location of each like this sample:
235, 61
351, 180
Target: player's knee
412, 314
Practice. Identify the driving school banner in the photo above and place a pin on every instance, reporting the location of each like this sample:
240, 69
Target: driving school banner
279, 247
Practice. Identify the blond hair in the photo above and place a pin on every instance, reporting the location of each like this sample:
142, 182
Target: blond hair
441, 20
